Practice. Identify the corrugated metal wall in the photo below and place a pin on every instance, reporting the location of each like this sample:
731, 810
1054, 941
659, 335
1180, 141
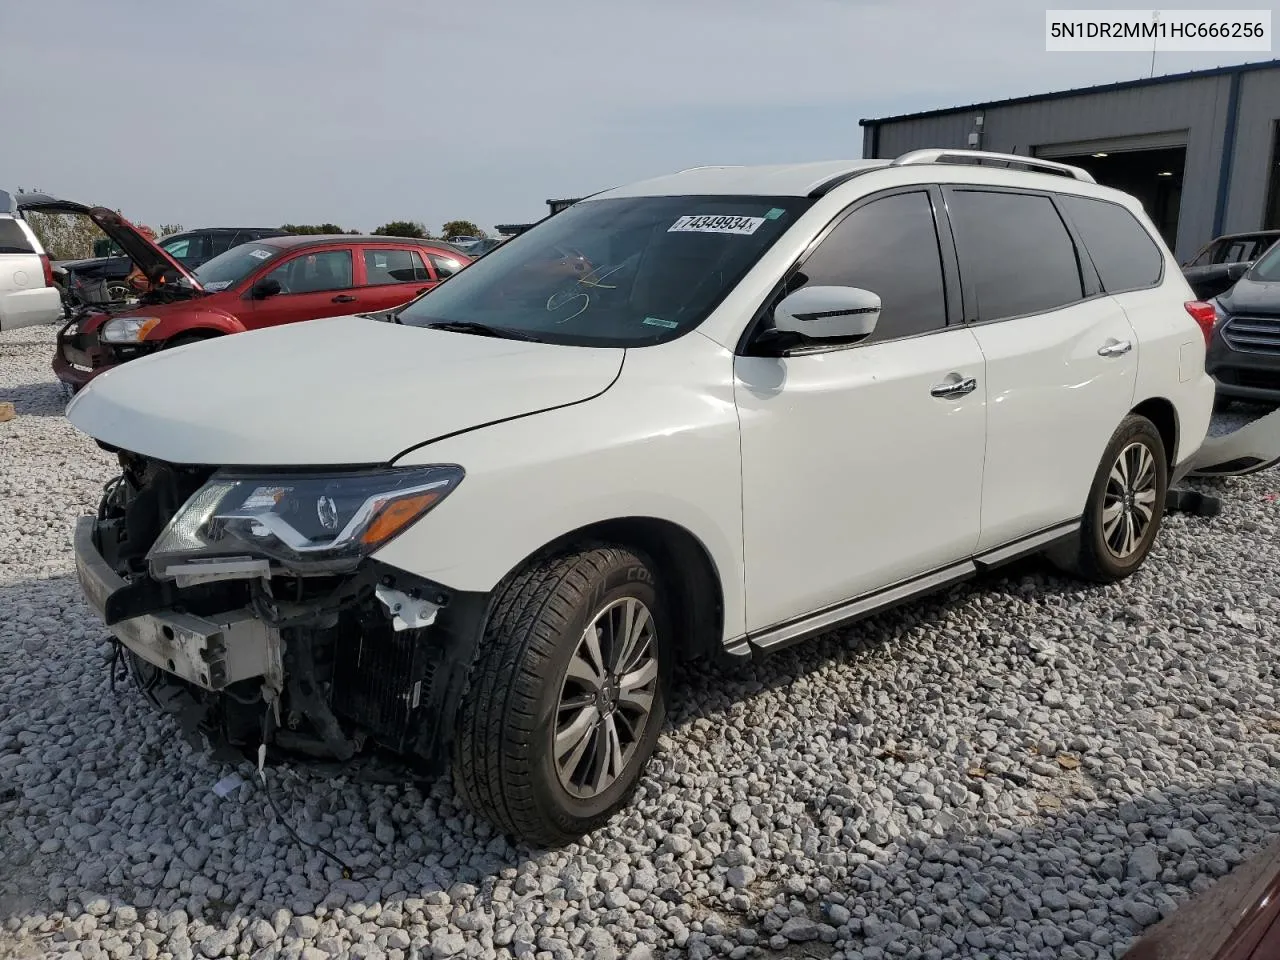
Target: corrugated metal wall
1198, 105
1251, 164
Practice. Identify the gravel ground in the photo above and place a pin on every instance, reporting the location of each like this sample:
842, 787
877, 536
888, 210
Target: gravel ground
1021, 767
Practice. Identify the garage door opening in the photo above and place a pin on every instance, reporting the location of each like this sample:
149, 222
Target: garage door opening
1153, 176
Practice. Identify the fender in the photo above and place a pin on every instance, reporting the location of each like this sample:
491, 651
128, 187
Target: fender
193, 320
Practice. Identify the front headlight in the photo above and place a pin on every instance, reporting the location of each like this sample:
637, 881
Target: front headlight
127, 329
310, 523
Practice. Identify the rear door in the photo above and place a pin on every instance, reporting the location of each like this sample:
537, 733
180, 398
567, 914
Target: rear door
314, 283
1061, 357
392, 276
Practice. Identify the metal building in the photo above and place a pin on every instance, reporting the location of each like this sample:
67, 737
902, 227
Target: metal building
1201, 150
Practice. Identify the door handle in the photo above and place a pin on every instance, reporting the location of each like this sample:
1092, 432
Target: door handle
343, 298
1118, 349
950, 389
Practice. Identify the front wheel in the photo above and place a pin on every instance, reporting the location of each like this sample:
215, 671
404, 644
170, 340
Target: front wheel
1124, 509
566, 698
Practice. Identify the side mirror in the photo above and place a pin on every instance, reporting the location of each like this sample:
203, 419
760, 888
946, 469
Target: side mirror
828, 313
266, 287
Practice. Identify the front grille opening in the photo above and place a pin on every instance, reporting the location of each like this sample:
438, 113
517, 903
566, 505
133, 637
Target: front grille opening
1253, 334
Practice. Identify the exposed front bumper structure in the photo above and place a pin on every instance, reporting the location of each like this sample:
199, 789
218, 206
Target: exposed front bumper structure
211, 653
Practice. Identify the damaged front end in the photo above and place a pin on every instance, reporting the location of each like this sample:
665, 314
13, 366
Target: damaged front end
248, 603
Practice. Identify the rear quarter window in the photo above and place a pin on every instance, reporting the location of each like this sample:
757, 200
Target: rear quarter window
1123, 253
12, 238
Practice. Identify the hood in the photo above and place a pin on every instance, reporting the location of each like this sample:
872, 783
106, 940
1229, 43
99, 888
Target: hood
150, 259
1249, 295
344, 391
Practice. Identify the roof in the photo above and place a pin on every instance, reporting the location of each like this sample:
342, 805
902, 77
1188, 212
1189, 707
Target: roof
1081, 91
774, 180
1246, 234
289, 241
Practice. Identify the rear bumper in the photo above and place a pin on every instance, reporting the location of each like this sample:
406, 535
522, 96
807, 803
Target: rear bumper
211, 653
30, 308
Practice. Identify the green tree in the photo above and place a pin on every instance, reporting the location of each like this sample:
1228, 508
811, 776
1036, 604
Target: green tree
403, 228
168, 229
315, 229
461, 228
65, 236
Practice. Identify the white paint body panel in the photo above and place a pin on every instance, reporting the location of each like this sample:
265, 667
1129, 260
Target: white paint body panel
1052, 405
807, 480
25, 300
854, 476
662, 442
346, 390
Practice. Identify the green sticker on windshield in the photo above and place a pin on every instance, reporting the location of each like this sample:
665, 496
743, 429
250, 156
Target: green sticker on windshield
658, 322
774, 214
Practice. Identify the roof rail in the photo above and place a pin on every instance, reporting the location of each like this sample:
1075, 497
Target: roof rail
979, 157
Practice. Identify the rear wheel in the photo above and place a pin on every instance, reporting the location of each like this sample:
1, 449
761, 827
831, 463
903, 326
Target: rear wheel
566, 699
1124, 509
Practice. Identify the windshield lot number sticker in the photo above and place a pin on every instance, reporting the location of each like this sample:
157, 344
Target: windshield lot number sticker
260, 254
708, 224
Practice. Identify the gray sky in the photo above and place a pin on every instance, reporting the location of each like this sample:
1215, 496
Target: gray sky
240, 112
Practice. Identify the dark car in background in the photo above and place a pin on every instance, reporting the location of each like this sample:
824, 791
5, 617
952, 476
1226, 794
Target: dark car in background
1244, 350
191, 248
1224, 260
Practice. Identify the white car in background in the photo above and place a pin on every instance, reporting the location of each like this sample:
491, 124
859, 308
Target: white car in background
755, 403
27, 293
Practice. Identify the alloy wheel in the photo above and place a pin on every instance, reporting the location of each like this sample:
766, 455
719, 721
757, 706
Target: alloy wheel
1129, 504
606, 698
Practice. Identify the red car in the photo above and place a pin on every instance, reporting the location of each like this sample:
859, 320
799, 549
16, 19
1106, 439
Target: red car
258, 284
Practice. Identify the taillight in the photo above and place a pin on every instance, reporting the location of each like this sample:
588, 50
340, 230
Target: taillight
48, 270
1205, 315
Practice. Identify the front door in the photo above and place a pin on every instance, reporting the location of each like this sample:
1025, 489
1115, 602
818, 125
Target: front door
862, 463
1061, 358
313, 284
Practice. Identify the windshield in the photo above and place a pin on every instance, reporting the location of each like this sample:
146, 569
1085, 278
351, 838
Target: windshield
227, 269
623, 272
1267, 269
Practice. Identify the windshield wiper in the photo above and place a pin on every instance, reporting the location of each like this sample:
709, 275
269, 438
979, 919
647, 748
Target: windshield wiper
481, 330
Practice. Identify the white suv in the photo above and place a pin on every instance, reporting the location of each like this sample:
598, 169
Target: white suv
27, 292
715, 412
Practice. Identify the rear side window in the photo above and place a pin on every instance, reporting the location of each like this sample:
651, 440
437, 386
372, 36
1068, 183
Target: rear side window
393, 266
12, 239
1123, 253
890, 247
1015, 253
445, 266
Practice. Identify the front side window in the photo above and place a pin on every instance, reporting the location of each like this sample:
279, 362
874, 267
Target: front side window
628, 271
393, 266
314, 272
1015, 253
1123, 253
890, 247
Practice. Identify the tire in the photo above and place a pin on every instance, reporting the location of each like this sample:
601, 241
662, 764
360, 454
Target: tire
185, 338
1100, 552
522, 695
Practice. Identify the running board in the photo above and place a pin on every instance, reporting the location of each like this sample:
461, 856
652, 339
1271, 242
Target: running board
849, 611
